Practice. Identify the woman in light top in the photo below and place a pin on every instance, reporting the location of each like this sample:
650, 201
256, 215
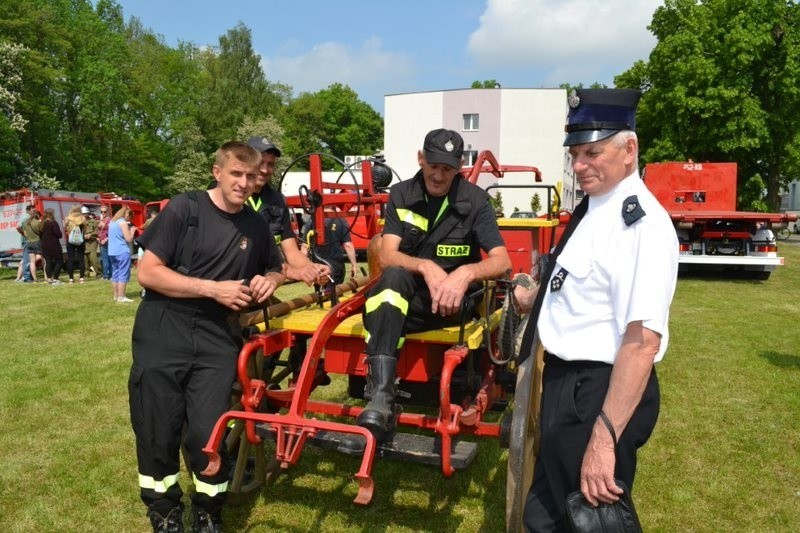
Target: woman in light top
120, 236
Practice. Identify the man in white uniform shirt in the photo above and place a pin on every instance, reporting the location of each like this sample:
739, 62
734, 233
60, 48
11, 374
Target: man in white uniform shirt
603, 317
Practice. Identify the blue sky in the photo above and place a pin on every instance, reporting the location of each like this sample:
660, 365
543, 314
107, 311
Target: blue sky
387, 47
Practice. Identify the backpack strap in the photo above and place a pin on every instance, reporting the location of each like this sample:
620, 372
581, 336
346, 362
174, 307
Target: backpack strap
189, 237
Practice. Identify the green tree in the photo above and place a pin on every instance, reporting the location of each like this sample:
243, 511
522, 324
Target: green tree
75, 95
235, 87
165, 97
536, 203
38, 27
497, 202
723, 84
193, 166
12, 123
333, 120
569, 87
485, 84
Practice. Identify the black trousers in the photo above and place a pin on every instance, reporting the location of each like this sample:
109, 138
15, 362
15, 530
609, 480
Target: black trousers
398, 304
184, 364
75, 253
572, 397
52, 266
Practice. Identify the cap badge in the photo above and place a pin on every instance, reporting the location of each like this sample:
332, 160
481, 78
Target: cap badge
449, 146
265, 140
573, 99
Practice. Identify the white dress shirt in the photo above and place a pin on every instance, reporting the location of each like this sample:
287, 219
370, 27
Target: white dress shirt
613, 274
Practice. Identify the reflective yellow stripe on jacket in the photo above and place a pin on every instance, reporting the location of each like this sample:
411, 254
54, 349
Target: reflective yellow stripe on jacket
410, 217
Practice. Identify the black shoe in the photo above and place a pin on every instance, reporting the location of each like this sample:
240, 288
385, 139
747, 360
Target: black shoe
353, 444
204, 522
172, 523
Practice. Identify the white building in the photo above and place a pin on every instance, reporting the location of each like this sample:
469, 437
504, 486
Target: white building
790, 199
519, 126
790, 203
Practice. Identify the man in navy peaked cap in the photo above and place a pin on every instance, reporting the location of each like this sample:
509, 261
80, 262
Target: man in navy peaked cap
596, 114
601, 315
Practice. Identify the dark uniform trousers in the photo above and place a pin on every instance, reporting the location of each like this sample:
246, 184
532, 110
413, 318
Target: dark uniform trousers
398, 304
572, 397
184, 364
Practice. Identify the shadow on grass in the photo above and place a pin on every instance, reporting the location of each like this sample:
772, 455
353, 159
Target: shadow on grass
407, 495
722, 274
782, 360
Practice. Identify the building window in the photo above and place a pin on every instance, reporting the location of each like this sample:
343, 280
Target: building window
469, 157
470, 122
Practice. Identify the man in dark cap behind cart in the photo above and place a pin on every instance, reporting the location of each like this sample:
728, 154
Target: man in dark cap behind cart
602, 315
271, 204
436, 225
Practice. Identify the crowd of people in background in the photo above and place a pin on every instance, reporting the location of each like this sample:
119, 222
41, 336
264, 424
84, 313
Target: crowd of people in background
95, 245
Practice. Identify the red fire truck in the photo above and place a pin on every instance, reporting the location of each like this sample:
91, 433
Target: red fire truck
701, 200
13, 204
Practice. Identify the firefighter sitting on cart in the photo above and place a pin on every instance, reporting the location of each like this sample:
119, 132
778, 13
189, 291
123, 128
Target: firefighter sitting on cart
436, 225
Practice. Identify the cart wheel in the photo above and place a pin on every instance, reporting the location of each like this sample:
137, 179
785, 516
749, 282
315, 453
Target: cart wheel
783, 234
507, 331
249, 470
522, 441
273, 471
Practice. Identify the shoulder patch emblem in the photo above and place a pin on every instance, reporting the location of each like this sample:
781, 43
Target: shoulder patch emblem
632, 210
558, 280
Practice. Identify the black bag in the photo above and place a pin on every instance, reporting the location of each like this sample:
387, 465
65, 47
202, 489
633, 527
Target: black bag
607, 518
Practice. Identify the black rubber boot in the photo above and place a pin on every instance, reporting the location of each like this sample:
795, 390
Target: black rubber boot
171, 523
205, 522
379, 414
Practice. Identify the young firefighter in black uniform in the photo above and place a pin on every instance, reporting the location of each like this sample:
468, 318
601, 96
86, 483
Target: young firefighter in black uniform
437, 223
272, 206
338, 247
184, 347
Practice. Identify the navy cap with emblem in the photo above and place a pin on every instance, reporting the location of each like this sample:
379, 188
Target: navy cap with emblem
596, 114
444, 147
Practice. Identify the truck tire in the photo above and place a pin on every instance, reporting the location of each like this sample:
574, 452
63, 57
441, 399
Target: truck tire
761, 275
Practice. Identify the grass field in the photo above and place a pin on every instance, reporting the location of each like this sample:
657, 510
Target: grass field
725, 455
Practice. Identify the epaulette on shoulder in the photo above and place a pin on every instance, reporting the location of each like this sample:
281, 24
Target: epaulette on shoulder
632, 210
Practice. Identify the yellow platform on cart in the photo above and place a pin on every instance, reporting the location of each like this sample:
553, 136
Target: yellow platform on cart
307, 321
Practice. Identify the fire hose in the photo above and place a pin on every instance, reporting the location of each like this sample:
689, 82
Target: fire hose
252, 318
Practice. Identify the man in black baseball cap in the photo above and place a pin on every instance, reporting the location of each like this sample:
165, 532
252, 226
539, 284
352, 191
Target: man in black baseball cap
271, 204
445, 147
262, 144
436, 226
